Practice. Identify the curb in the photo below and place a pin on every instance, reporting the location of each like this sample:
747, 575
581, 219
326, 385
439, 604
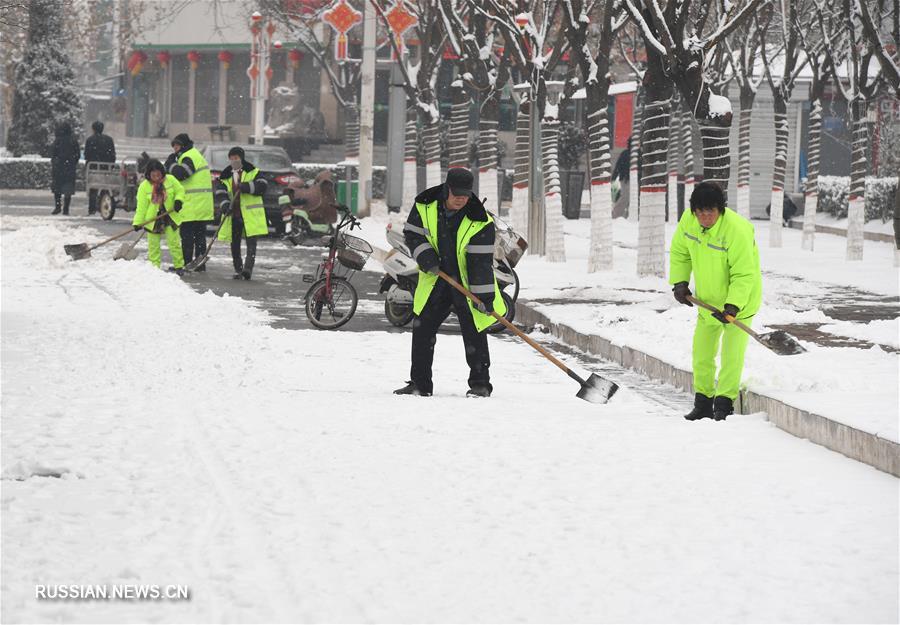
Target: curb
871, 449
868, 236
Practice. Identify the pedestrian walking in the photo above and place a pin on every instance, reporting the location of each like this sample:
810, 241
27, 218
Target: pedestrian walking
160, 193
717, 246
99, 148
64, 162
187, 164
239, 196
449, 229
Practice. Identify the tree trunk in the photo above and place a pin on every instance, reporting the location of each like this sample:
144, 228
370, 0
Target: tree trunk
716, 154
518, 214
634, 182
553, 217
856, 213
351, 133
432, 139
673, 162
488, 124
748, 95
687, 149
410, 182
781, 148
652, 223
811, 191
600, 254
458, 139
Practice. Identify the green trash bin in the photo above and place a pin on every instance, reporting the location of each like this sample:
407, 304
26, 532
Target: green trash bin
354, 195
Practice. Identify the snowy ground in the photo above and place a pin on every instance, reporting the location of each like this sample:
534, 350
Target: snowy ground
273, 473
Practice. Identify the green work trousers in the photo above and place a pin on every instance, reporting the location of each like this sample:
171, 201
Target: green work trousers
173, 241
706, 346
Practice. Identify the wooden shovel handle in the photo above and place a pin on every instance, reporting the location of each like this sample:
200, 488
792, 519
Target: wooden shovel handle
456, 285
131, 229
730, 319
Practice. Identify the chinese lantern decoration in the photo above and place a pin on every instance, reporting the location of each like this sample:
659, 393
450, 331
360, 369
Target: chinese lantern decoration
225, 57
194, 57
163, 58
295, 56
341, 17
136, 62
400, 20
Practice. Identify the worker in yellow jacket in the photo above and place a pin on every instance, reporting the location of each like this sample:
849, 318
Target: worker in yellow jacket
717, 245
160, 193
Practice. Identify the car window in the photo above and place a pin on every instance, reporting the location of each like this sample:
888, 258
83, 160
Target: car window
218, 159
269, 161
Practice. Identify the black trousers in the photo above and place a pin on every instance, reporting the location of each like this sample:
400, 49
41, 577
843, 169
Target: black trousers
237, 231
442, 301
193, 239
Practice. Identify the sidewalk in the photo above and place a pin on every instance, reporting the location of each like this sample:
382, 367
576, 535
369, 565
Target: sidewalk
843, 393
875, 230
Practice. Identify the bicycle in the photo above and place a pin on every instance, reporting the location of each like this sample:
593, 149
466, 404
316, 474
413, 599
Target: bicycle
331, 300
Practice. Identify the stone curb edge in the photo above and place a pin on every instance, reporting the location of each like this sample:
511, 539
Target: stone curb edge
871, 449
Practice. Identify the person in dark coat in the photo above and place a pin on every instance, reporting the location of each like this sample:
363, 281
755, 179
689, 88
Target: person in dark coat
64, 161
99, 148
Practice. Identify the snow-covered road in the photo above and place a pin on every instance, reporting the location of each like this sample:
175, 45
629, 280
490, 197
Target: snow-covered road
273, 472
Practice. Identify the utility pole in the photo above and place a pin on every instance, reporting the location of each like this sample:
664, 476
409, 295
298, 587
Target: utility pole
537, 231
396, 138
367, 111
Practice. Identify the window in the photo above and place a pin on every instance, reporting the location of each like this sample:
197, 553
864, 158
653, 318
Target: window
206, 90
180, 79
237, 106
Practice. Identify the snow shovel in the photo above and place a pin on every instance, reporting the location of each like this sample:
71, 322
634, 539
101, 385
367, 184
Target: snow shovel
79, 251
778, 341
595, 389
198, 262
126, 250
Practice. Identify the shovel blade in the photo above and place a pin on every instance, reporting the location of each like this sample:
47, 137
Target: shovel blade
782, 343
597, 390
77, 250
125, 251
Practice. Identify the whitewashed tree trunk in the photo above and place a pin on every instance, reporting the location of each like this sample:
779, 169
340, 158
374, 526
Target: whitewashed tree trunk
856, 213
652, 223
459, 127
634, 182
716, 154
432, 137
410, 183
488, 124
673, 163
553, 217
518, 214
351, 133
743, 177
687, 150
600, 254
776, 210
811, 191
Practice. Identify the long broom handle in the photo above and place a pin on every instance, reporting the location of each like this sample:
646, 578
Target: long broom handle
215, 236
546, 354
731, 319
131, 229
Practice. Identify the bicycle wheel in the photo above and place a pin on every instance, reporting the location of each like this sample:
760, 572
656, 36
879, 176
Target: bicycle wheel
497, 327
331, 313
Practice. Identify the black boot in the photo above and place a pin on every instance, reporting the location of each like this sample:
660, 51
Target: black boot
412, 389
66, 201
703, 408
722, 407
478, 391
57, 201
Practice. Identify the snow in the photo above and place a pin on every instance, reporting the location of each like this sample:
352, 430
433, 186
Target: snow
628, 86
719, 105
278, 478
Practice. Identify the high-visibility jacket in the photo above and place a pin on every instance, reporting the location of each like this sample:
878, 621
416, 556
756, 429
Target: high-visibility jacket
198, 190
146, 209
474, 253
724, 260
253, 210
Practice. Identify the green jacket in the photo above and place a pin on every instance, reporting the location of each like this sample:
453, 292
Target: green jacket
198, 189
474, 253
147, 210
253, 210
723, 259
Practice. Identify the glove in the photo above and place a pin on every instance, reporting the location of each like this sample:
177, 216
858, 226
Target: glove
245, 188
226, 209
681, 292
178, 205
485, 307
137, 228
729, 309
432, 269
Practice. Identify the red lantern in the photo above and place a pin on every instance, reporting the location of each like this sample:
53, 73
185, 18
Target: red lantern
163, 58
194, 57
225, 57
295, 57
136, 62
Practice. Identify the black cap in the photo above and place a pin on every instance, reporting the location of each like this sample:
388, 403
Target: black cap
236, 151
183, 140
460, 181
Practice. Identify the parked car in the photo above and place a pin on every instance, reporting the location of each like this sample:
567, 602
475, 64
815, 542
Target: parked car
274, 165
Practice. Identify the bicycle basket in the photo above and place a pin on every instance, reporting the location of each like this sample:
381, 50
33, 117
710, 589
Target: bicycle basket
353, 251
351, 259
